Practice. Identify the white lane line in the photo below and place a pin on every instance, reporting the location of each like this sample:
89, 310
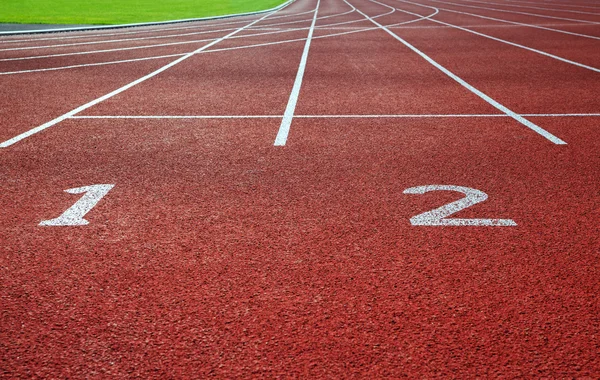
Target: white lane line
49, 124
143, 117
341, 116
483, 96
499, 39
517, 23
561, 114
93, 64
286, 122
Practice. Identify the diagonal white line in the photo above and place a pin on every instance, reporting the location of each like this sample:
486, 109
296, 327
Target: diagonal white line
77, 110
463, 83
286, 122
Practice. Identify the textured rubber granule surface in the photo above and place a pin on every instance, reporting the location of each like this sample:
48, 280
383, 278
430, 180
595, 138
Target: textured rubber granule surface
218, 254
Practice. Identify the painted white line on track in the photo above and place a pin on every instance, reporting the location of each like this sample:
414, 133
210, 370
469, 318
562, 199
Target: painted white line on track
341, 116
466, 85
561, 114
286, 122
49, 124
498, 39
176, 117
94, 64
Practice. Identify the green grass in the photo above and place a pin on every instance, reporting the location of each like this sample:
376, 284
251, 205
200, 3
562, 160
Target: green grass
121, 11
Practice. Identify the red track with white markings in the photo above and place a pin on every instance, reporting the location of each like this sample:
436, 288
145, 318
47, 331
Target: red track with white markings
336, 188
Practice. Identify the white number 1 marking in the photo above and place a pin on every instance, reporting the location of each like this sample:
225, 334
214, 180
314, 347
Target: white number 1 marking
438, 217
74, 214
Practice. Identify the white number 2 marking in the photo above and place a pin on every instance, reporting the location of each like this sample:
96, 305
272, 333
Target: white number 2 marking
74, 214
438, 217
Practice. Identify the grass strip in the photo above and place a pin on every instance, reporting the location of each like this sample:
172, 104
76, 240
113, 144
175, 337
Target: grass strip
107, 12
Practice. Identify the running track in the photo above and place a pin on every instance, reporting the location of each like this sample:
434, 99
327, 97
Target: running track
255, 219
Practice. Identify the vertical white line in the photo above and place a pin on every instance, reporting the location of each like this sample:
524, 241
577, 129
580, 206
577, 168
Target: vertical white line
77, 110
483, 96
286, 122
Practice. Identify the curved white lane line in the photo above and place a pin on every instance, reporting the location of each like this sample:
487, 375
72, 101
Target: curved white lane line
93, 64
501, 40
466, 85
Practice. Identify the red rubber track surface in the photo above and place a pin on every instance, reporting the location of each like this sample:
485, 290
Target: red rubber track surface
219, 254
